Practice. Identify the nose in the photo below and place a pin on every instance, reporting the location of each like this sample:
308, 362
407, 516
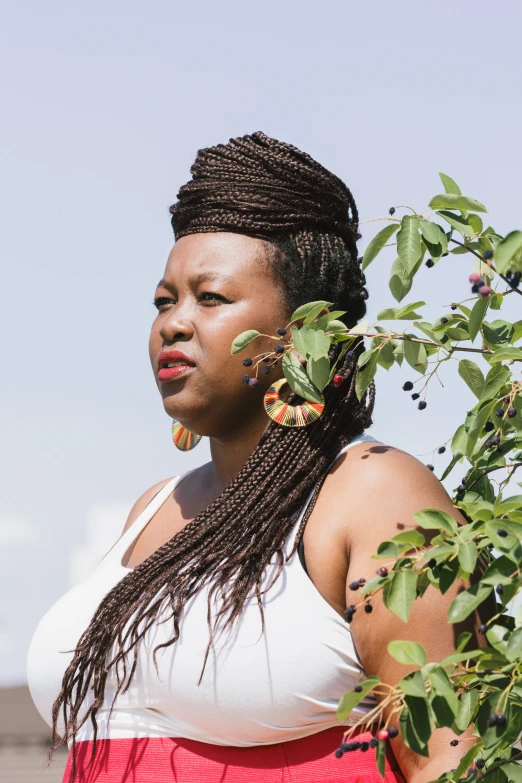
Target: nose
177, 325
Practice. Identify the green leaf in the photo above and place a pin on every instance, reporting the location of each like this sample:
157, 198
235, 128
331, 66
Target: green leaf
498, 332
466, 760
325, 319
381, 757
316, 342
434, 519
407, 652
314, 312
513, 771
401, 593
430, 231
468, 701
412, 537
401, 279
472, 375
415, 725
456, 201
244, 339
468, 556
450, 186
377, 243
505, 354
506, 250
297, 339
351, 699
466, 602
514, 645
365, 375
442, 685
415, 354
298, 380
476, 224
387, 549
413, 684
404, 313
408, 241
318, 371
310, 307
457, 222
478, 312
477, 424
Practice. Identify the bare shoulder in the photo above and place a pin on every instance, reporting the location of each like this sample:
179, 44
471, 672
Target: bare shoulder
143, 501
382, 487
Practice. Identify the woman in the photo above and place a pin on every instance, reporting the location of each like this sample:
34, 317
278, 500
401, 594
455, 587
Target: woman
205, 647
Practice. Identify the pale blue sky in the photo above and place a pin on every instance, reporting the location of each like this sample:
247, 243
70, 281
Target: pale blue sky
105, 105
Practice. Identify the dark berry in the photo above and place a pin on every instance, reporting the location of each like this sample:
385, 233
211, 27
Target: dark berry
382, 571
408, 386
445, 254
482, 629
247, 362
432, 562
345, 746
373, 742
499, 589
441, 450
431, 467
454, 743
362, 580
480, 281
392, 732
487, 254
505, 400
474, 288
480, 763
349, 613
266, 358
488, 426
358, 688
253, 382
415, 396
279, 348
511, 412
495, 439
501, 719
354, 585
444, 320
338, 753
422, 404
430, 262
499, 412
461, 488
337, 380
502, 533
365, 746
350, 354
281, 331
266, 370
391, 210
492, 720
245, 378
368, 608
453, 306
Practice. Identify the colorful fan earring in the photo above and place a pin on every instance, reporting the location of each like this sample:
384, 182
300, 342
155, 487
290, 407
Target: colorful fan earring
290, 415
183, 439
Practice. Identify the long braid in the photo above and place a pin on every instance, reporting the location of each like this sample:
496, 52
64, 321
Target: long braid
264, 188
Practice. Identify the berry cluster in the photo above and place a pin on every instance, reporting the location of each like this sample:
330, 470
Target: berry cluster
408, 386
498, 719
479, 285
382, 736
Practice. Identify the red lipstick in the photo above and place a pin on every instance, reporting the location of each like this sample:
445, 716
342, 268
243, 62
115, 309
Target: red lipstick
182, 365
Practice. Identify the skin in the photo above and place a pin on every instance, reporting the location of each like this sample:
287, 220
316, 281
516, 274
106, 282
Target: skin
201, 317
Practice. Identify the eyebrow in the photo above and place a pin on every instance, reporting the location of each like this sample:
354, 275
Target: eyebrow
202, 277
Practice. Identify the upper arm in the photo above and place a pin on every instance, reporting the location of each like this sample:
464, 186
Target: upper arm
391, 486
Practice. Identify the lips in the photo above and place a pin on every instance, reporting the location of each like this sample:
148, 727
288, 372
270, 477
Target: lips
182, 365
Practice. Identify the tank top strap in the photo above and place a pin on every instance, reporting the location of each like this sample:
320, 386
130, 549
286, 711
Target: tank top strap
293, 533
130, 535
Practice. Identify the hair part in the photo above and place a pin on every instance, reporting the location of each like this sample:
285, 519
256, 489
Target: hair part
264, 188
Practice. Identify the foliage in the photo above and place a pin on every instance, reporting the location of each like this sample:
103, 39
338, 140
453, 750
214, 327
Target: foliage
479, 687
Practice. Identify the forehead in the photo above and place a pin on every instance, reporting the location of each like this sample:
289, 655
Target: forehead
232, 255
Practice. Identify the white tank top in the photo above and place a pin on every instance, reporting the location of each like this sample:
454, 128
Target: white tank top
256, 689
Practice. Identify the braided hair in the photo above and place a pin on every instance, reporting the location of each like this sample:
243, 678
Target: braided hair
265, 188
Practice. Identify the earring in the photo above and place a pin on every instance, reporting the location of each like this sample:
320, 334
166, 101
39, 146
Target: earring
290, 415
183, 439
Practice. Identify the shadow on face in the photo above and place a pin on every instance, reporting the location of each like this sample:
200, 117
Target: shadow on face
215, 286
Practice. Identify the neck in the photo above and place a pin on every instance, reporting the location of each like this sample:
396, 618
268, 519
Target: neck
230, 454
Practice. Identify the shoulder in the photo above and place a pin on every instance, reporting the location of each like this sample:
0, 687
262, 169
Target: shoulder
381, 487
143, 501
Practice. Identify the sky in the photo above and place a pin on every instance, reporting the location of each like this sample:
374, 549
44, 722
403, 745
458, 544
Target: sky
105, 106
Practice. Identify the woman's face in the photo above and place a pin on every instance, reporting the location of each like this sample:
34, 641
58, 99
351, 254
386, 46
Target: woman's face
215, 286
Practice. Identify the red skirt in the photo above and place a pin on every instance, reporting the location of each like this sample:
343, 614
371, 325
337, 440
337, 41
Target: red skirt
174, 760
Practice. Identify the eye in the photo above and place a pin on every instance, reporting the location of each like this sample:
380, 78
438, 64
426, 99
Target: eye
159, 301
212, 298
